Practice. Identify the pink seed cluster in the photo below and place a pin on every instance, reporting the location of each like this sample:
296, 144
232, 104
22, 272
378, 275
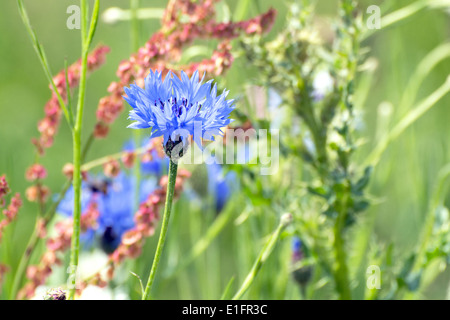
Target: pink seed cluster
145, 220
35, 172
184, 21
38, 274
3, 269
37, 192
111, 169
48, 126
4, 190
8, 215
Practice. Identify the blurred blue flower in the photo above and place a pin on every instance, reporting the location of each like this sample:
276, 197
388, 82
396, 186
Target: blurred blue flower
302, 274
274, 98
220, 185
156, 166
212, 186
297, 252
115, 201
171, 107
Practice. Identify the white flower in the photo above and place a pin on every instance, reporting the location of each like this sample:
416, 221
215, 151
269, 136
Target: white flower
322, 85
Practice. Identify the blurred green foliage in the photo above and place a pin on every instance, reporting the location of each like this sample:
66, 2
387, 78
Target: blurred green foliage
401, 184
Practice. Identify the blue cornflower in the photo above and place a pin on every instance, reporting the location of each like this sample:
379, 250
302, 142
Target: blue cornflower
177, 108
302, 274
211, 183
297, 252
114, 199
220, 185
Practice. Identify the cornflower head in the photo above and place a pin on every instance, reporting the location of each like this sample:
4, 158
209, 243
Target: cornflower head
114, 199
212, 180
302, 273
297, 250
177, 108
165, 47
220, 184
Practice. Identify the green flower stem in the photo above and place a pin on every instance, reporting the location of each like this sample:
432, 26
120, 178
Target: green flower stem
411, 117
286, 219
341, 276
134, 35
100, 161
173, 167
86, 39
75, 244
423, 69
427, 233
436, 200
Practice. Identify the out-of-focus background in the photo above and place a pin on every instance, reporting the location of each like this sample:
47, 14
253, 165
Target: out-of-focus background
401, 183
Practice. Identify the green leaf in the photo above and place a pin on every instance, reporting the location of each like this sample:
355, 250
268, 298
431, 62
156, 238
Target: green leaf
413, 280
407, 266
241, 10
319, 191
362, 205
43, 59
226, 295
364, 181
140, 281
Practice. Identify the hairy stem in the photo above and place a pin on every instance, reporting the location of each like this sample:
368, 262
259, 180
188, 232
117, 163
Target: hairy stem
341, 276
86, 39
173, 167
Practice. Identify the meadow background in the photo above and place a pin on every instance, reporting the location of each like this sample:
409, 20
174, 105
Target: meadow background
401, 183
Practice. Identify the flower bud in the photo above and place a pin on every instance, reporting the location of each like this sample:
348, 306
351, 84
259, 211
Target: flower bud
35, 172
302, 274
111, 168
